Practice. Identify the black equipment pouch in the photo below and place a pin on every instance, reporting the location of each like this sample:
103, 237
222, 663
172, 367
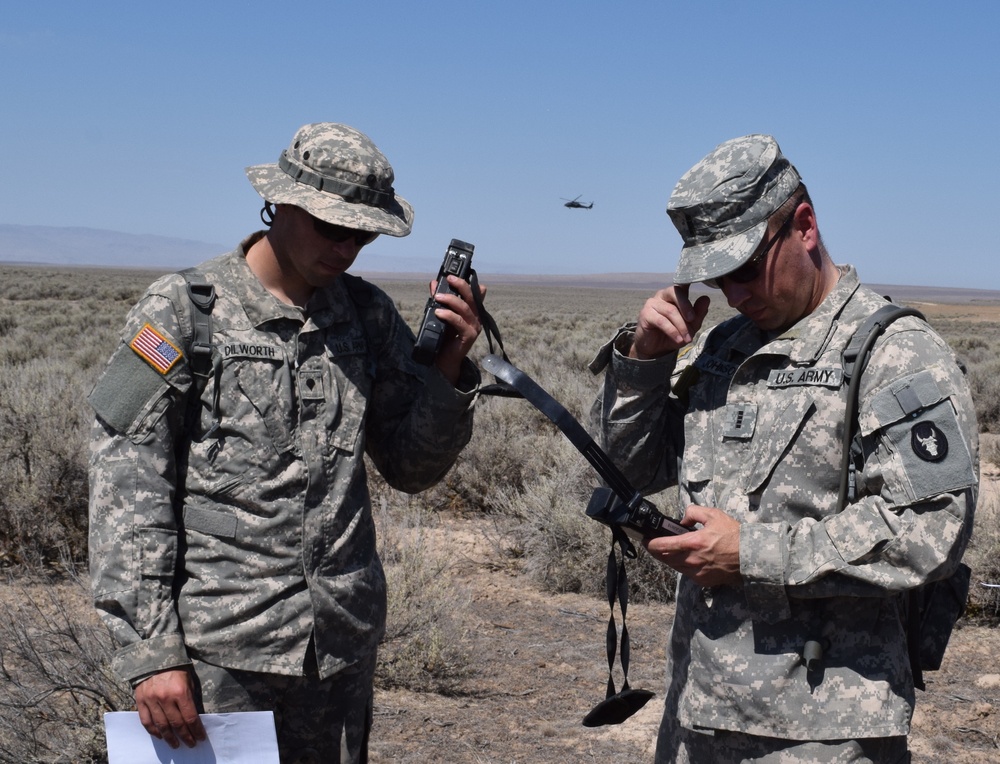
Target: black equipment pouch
934, 609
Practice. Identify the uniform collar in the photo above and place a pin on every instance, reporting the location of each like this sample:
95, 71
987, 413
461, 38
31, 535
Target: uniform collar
326, 306
806, 340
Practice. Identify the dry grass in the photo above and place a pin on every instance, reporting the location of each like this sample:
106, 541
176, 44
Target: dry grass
57, 328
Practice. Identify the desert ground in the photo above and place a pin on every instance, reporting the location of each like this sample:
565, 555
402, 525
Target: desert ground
540, 666
535, 662
540, 662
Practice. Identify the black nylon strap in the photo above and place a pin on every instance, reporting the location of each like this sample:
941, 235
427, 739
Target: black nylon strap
202, 296
492, 331
616, 706
205, 364
855, 359
571, 428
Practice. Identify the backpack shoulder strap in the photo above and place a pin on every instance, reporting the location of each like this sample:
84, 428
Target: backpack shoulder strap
202, 295
204, 363
930, 611
855, 359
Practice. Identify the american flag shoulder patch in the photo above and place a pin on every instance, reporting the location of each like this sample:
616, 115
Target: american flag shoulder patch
155, 349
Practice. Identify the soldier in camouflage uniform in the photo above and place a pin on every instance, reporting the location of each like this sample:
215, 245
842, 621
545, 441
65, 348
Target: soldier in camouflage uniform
232, 544
788, 643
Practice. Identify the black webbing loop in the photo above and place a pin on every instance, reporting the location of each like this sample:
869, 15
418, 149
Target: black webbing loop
611, 584
617, 706
202, 295
352, 192
492, 331
205, 364
490, 328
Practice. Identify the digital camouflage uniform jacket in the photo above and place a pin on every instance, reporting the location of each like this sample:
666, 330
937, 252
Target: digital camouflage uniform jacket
754, 427
234, 545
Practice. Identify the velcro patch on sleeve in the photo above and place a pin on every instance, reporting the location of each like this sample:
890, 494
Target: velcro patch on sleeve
934, 457
155, 349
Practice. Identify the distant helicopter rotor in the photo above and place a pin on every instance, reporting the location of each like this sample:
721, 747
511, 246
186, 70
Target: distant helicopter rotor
576, 203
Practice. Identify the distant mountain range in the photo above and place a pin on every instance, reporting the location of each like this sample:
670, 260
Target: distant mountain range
49, 245
92, 246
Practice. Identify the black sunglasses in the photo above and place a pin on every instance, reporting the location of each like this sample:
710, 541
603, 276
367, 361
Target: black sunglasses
752, 267
339, 233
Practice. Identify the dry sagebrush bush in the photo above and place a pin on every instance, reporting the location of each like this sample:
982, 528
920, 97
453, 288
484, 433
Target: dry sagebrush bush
983, 556
55, 679
425, 647
57, 329
518, 465
43, 475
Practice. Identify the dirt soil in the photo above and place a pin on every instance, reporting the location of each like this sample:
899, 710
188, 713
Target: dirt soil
540, 666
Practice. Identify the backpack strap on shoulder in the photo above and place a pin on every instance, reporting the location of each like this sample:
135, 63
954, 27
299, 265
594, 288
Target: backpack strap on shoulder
855, 359
919, 601
204, 362
202, 295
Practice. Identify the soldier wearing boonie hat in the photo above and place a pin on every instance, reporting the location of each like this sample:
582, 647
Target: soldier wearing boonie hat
232, 542
788, 642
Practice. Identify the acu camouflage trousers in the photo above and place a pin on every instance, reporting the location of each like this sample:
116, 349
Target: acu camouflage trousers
676, 745
318, 721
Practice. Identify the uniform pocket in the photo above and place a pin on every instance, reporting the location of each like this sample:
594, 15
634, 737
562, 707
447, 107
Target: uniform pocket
157, 567
268, 387
352, 387
928, 454
211, 522
775, 432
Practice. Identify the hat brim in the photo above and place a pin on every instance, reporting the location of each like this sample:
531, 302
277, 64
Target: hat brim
702, 262
277, 187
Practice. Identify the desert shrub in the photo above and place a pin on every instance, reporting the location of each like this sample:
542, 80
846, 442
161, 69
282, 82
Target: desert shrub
977, 345
990, 451
57, 329
43, 472
55, 676
559, 547
425, 645
984, 381
983, 556
7, 324
971, 349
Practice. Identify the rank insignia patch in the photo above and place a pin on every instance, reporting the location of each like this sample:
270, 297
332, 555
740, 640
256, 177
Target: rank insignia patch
928, 442
155, 349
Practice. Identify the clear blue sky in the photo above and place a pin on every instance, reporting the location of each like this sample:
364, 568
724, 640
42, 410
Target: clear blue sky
140, 117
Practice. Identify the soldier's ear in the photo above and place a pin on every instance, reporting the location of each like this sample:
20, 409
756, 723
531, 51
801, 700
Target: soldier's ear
804, 225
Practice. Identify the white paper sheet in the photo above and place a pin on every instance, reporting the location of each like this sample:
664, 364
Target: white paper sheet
244, 738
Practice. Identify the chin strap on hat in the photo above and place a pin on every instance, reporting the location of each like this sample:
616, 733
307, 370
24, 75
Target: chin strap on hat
267, 214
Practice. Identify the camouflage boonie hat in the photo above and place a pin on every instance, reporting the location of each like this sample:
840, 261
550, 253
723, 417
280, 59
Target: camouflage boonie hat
721, 205
336, 174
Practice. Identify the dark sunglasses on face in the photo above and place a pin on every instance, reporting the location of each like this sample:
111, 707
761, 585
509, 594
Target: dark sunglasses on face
339, 233
751, 268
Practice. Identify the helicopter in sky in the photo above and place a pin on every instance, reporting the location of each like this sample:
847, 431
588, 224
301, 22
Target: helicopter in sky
575, 204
